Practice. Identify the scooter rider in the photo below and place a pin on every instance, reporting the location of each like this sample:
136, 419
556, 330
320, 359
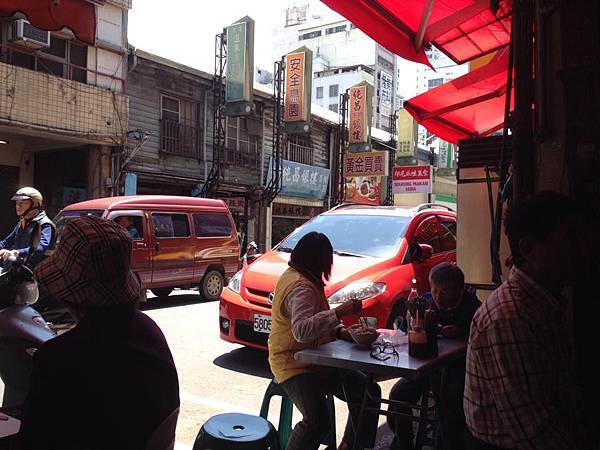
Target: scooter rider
29, 209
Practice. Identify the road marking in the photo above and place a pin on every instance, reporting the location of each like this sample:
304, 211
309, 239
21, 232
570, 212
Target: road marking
216, 404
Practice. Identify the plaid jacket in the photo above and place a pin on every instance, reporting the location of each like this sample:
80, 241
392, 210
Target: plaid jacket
520, 387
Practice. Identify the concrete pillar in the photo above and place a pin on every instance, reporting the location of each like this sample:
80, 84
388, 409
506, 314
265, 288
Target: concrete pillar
98, 171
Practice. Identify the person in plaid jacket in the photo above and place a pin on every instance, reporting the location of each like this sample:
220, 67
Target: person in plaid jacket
111, 381
520, 390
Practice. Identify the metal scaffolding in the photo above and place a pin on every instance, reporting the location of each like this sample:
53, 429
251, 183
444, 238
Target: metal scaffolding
216, 174
337, 171
389, 199
274, 183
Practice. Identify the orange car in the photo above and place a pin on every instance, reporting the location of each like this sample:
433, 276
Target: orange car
379, 251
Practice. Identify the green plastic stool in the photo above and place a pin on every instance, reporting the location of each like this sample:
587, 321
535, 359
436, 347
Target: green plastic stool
284, 429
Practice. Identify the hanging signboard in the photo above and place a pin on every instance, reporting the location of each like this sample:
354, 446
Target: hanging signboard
359, 106
302, 180
412, 180
298, 88
366, 164
386, 87
407, 134
239, 68
364, 190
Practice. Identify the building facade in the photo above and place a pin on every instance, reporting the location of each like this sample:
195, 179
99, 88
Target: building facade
63, 109
170, 150
338, 48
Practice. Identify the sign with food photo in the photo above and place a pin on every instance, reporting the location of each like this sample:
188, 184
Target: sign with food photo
372, 164
363, 190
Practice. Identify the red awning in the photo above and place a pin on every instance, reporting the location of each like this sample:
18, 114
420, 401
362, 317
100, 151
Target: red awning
469, 106
52, 15
463, 29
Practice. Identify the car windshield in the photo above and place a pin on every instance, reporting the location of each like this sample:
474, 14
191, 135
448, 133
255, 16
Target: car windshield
64, 217
354, 235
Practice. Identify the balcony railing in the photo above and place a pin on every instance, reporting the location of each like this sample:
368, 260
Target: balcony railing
299, 153
180, 139
44, 101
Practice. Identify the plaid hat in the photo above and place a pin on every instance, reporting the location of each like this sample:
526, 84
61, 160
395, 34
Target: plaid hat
91, 265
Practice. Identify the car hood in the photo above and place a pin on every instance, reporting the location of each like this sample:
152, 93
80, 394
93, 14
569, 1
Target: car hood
262, 275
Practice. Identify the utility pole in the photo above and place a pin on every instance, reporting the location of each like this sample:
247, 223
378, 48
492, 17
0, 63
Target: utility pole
431, 161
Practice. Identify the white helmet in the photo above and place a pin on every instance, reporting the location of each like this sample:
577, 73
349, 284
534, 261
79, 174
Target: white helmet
29, 193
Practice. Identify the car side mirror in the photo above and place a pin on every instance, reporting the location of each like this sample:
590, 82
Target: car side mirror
421, 252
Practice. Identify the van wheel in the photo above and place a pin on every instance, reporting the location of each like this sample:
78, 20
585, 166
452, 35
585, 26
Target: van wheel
162, 292
398, 312
212, 285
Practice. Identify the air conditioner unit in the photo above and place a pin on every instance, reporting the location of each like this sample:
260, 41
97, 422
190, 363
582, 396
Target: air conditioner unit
25, 34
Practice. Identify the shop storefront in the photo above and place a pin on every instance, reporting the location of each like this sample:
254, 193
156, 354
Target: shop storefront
288, 213
301, 198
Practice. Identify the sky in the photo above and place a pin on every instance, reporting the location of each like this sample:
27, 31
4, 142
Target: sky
184, 30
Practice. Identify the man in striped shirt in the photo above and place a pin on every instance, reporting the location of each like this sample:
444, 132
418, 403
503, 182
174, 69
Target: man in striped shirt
520, 390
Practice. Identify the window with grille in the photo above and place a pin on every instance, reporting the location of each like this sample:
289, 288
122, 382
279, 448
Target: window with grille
241, 147
337, 29
180, 128
334, 107
299, 149
64, 58
334, 90
435, 82
311, 35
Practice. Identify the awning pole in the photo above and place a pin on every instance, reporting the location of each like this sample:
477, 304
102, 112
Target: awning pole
424, 23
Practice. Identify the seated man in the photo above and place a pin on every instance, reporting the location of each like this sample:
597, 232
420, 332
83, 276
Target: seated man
127, 223
455, 307
111, 381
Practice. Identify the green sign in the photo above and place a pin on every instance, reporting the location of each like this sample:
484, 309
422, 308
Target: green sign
236, 62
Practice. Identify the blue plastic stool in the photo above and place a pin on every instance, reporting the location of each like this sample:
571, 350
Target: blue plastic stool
239, 431
284, 428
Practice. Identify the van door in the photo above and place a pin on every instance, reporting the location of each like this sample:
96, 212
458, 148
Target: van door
216, 243
136, 224
173, 250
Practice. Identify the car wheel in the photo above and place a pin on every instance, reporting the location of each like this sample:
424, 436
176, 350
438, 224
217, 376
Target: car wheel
398, 312
162, 292
212, 285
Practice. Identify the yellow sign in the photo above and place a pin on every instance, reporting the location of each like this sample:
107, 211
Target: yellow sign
366, 164
294, 87
407, 134
358, 130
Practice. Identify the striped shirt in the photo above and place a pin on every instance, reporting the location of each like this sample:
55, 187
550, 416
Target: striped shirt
520, 387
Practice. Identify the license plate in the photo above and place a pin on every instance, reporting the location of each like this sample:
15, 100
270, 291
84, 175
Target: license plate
262, 324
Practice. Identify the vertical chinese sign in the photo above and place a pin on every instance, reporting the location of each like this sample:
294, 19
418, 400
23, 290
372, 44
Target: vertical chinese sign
359, 106
239, 67
407, 135
298, 87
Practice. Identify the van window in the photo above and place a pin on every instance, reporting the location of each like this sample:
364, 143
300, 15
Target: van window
212, 225
170, 225
65, 217
133, 224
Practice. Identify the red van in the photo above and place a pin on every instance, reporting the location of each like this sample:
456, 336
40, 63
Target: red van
177, 241
378, 251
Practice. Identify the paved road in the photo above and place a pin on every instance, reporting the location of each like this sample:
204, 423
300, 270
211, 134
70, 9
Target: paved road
216, 376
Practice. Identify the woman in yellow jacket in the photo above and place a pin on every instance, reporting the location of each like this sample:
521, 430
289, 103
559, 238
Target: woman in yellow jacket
301, 319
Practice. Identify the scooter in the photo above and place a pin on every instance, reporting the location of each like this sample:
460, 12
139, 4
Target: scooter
22, 329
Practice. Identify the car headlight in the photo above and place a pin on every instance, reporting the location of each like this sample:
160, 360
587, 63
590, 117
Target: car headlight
360, 290
235, 283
